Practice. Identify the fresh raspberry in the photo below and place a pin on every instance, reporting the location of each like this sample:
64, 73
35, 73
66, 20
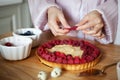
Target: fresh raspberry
89, 51
56, 42
49, 45
69, 57
57, 53
47, 57
76, 43
52, 43
39, 52
76, 60
44, 46
72, 28
65, 41
61, 43
40, 49
52, 58
94, 55
89, 58
64, 61
82, 60
90, 45
43, 55
96, 51
70, 42
82, 42
62, 55
8, 44
70, 61
58, 60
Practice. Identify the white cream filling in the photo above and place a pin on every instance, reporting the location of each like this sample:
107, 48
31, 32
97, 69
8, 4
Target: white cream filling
67, 49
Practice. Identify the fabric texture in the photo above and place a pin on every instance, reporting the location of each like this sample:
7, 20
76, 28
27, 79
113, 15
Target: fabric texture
74, 11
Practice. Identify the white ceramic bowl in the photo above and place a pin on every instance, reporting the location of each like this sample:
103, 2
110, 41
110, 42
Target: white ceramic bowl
35, 37
20, 50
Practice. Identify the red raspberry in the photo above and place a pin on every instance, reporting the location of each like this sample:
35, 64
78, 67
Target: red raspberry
70, 42
49, 45
47, 57
76, 43
94, 55
58, 60
69, 57
57, 53
40, 49
44, 46
72, 28
64, 61
82, 60
65, 41
70, 61
90, 45
96, 51
89, 51
8, 44
56, 42
43, 55
62, 55
81, 43
89, 58
77, 60
52, 58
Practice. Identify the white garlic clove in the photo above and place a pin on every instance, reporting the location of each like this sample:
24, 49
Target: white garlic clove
56, 72
42, 75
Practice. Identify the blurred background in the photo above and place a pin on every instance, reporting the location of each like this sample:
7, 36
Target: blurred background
14, 14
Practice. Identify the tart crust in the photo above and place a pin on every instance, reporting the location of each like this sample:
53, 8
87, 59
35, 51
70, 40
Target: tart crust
70, 66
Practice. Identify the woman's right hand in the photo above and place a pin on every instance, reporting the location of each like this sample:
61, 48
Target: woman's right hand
55, 20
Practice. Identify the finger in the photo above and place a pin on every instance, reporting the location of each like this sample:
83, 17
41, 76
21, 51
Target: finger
58, 30
97, 28
93, 30
86, 26
52, 30
99, 35
102, 36
83, 21
63, 21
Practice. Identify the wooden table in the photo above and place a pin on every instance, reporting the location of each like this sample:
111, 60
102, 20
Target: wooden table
28, 68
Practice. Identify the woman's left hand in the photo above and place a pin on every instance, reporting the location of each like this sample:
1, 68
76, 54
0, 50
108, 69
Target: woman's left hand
92, 24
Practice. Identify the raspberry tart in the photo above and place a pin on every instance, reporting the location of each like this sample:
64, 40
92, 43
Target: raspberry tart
69, 54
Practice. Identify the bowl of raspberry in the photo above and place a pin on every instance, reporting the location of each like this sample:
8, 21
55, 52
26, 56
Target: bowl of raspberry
32, 33
15, 48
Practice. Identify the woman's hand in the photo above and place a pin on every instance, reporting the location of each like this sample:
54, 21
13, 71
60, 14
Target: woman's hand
55, 19
92, 24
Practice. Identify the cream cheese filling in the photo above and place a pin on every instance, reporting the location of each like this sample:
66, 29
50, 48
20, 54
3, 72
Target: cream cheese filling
68, 49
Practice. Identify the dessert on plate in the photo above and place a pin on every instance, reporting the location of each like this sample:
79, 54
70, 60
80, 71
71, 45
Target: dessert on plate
69, 54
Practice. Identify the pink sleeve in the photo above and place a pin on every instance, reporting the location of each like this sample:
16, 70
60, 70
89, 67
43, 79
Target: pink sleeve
38, 10
109, 11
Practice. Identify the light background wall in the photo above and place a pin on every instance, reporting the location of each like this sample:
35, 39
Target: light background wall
117, 40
